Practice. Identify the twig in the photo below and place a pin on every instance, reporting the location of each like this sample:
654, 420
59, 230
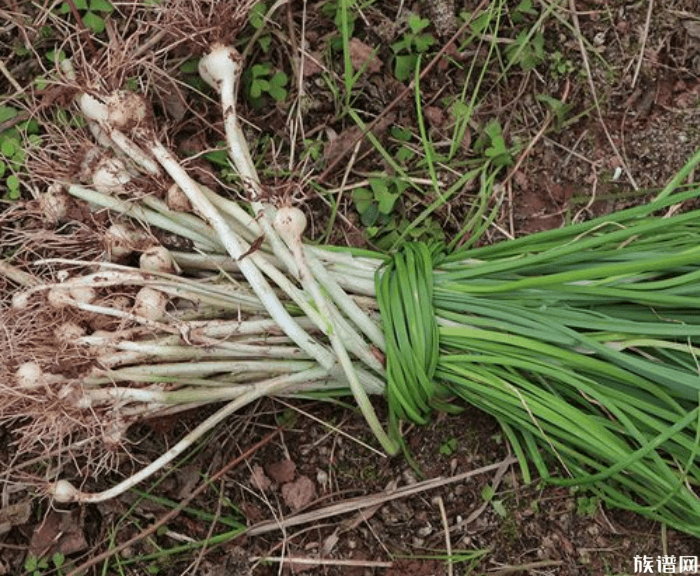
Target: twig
395, 102
84, 31
298, 561
547, 121
448, 541
645, 37
21, 117
589, 77
175, 511
521, 568
354, 504
10, 78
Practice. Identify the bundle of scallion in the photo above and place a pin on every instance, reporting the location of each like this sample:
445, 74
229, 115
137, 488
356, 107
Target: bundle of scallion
581, 341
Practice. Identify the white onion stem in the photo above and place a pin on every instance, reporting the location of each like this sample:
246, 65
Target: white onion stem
233, 246
221, 68
206, 243
290, 227
269, 387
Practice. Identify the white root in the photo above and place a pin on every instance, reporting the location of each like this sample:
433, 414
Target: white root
64, 492
290, 222
59, 297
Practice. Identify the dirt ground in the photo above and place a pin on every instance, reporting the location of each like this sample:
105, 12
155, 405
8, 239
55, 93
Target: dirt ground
605, 153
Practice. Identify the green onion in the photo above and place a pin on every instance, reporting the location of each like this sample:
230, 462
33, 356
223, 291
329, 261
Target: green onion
584, 342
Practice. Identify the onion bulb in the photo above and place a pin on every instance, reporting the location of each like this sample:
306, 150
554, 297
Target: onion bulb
177, 200
92, 108
126, 110
54, 204
290, 222
63, 492
20, 300
110, 176
121, 240
83, 294
69, 332
59, 297
157, 259
219, 66
150, 303
30, 376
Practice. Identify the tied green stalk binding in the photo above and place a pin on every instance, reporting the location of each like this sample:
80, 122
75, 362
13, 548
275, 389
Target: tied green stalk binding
405, 297
586, 350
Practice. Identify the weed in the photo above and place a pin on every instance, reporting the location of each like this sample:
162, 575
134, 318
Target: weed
37, 566
527, 51
403, 136
12, 150
412, 44
524, 9
559, 109
488, 494
92, 12
449, 447
587, 505
260, 81
257, 20
376, 203
492, 145
560, 66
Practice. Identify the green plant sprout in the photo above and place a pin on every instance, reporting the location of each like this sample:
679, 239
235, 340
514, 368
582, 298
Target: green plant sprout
488, 494
12, 152
493, 145
384, 225
449, 447
527, 51
560, 110
260, 81
38, 566
256, 19
93, 13
560, 66
413, 43
525, 8
379, 199
403, 136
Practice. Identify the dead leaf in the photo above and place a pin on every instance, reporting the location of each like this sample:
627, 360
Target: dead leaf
187, 479
340, 145
172, 98
252, 513
312, 64
15, 515
435, 116
299, 493
59, 532
345, 142
282, 471
692, 27
362, 54
330, 542
259, 480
